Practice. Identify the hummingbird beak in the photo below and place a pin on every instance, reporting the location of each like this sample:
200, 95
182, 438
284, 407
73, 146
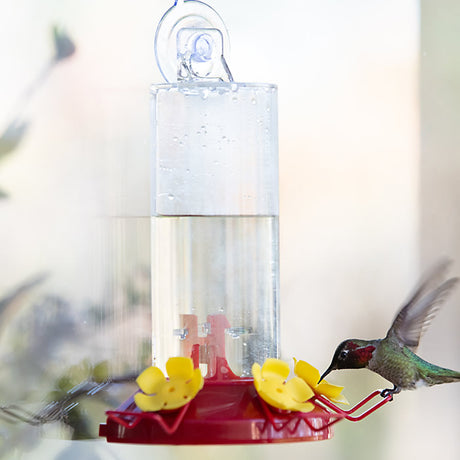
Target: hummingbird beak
329, 369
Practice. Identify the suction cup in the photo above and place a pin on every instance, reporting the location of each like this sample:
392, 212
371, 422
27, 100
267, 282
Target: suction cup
209, 37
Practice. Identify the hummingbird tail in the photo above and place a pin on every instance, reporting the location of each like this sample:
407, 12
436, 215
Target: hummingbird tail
442, 376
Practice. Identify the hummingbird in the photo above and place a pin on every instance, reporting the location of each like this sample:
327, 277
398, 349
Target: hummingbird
393, 357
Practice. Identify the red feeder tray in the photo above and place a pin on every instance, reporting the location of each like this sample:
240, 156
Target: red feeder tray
227, 413
221, 413
227, 410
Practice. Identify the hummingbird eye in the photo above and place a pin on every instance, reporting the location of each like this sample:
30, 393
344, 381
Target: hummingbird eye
343, 354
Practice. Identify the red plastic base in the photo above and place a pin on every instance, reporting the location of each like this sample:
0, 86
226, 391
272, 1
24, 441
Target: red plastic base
223, 412
227, 410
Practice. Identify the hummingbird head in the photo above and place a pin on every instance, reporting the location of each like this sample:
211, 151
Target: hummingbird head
351, 354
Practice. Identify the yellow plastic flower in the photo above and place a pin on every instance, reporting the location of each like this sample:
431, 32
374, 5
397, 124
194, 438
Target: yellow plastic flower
161, 393
271, 385
311, 376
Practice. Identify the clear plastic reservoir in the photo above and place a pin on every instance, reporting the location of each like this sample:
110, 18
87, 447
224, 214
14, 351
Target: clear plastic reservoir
215, 253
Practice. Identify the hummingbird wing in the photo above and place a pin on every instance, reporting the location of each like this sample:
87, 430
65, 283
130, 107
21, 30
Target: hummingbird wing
416, 315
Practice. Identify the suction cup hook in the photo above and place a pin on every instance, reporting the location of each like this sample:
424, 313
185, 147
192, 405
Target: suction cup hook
190, 43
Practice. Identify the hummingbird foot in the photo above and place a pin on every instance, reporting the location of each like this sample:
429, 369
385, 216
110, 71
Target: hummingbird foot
390, 391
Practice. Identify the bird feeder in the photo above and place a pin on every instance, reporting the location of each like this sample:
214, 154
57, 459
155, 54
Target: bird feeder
215, 254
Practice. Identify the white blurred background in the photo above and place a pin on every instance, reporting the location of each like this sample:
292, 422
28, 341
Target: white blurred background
369, 104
